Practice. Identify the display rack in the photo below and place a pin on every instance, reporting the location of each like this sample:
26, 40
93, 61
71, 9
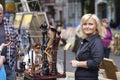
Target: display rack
34, 24
37, 76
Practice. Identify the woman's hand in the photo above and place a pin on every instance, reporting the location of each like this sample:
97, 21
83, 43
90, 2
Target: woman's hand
75, 63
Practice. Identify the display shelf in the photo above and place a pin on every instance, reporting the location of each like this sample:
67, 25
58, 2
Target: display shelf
37, 77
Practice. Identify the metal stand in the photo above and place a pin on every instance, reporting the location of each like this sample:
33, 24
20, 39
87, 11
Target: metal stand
34, 76
47, 73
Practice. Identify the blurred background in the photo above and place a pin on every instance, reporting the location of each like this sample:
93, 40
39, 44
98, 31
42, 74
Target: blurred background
63, 14
66, 12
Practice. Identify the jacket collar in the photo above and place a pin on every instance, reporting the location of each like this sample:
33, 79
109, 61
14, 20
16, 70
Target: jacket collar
90, 38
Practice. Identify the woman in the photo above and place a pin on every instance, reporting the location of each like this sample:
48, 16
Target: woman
90, 53
107, 39
2, 60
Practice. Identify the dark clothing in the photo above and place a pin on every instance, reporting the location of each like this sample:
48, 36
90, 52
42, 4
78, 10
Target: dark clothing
107, 52
76, 44
10, 52
4, 51
2, 38
91, 50
2, 33
11, 55
11, 74
106, 41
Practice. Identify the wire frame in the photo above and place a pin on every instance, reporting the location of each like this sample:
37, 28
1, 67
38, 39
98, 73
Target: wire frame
42, 18
37, 19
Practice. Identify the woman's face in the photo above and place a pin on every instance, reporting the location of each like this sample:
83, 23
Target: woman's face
89, 27
105, 24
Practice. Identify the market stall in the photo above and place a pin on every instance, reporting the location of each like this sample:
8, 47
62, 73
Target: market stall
34, 27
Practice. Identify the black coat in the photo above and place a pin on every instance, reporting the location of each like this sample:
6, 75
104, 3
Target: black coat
91, 50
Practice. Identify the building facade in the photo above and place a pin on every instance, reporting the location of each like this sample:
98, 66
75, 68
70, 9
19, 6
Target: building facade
69, 12
105, 9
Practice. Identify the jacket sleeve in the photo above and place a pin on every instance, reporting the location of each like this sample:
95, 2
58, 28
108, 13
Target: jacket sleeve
97, 51
17, 38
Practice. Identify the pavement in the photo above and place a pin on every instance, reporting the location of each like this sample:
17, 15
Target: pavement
69, 56
116, 59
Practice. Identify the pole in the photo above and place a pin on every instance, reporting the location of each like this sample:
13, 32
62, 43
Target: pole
25, 5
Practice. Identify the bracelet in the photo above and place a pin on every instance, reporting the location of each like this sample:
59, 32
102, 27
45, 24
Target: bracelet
78, 64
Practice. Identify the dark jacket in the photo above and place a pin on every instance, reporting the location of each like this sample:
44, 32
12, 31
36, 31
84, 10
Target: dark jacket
91, 50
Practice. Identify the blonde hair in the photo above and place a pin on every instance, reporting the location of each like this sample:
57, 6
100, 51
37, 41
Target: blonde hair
1, 6
85, 18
